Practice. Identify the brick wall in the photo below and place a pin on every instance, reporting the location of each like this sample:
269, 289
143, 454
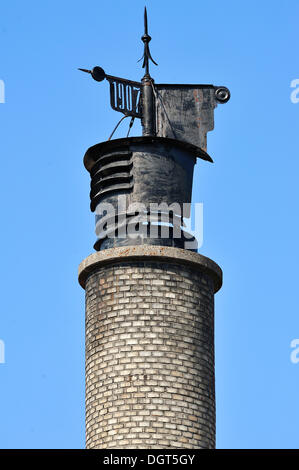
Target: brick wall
149, 356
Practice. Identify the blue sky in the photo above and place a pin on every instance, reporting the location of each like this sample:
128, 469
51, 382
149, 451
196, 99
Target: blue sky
53, 113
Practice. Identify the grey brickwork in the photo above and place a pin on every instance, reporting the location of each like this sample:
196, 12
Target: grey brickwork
150, 348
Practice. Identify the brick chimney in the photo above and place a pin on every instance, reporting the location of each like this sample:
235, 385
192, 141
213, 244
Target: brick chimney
150, 379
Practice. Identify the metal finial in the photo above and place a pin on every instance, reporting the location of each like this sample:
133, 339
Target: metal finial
146, 55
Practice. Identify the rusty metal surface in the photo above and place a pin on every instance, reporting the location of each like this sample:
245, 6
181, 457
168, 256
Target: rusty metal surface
92, 154
142, 170
186, 112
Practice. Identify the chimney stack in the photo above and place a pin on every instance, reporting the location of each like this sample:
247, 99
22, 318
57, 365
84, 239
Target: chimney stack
150, 380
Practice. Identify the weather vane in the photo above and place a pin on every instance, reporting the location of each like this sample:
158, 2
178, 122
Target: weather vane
161, 106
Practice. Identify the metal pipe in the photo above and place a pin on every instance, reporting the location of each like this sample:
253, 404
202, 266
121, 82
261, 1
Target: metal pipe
148, 119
